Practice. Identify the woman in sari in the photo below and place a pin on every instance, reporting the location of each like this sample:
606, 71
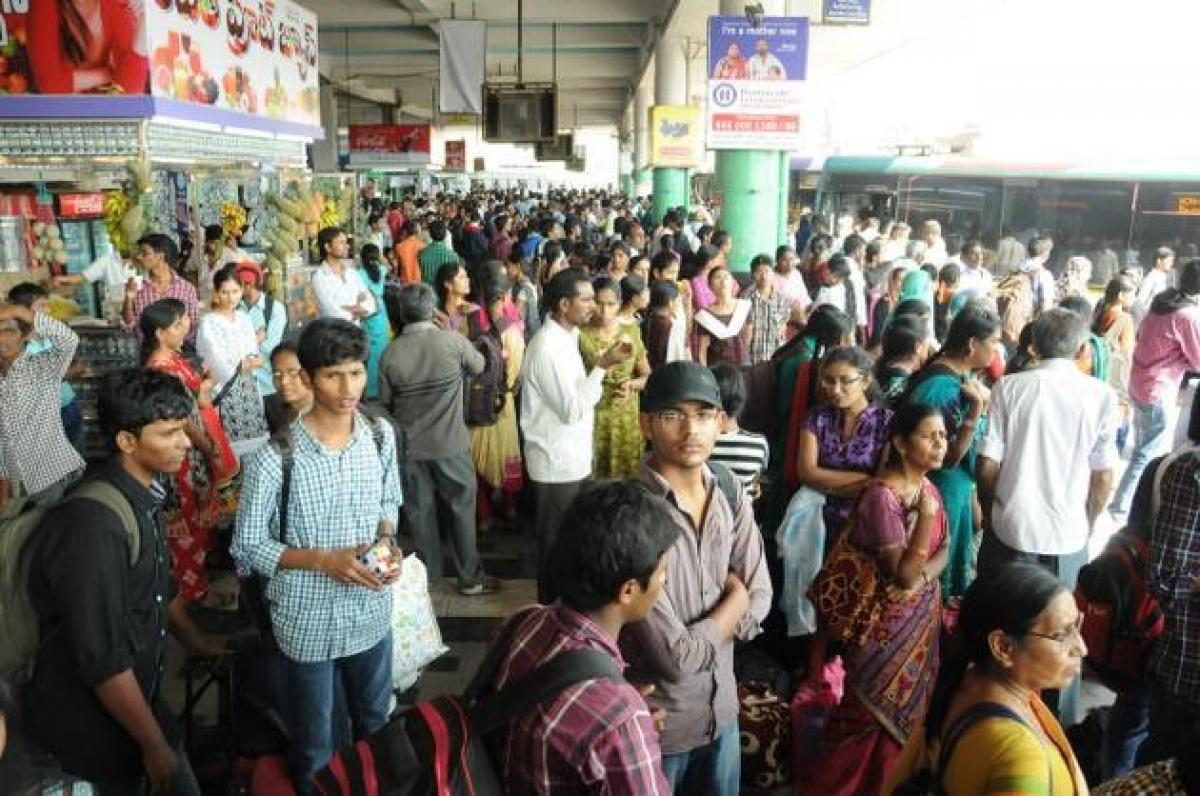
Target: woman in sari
891, 671
195, 507
1018, 635
917, 286
617, 438
949, 384
844, 437
496, 449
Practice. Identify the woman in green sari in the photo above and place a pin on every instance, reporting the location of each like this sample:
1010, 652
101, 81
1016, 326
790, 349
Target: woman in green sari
948, 383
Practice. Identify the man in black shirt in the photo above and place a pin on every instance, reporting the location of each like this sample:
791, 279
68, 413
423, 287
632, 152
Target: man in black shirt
95, 698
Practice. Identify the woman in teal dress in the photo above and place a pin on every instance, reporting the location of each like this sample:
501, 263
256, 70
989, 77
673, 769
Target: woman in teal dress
949, 384
377, 326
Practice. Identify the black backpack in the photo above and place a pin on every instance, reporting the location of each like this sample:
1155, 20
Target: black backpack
439, 746
484, 394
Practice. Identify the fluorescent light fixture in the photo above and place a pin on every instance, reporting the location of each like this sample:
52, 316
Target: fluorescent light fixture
247, 133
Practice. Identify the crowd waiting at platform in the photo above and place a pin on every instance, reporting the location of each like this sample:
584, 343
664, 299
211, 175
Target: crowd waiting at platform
868, 447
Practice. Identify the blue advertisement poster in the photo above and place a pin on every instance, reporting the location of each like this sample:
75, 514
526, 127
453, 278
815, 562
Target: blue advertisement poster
776, 49
848, 12
756, 82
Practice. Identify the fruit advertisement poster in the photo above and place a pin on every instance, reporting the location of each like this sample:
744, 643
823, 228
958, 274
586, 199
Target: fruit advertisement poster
253, 56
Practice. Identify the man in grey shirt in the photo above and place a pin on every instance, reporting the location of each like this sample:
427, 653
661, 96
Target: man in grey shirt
421, 384
717, 590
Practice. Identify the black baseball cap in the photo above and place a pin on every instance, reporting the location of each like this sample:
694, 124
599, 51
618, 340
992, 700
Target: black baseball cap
680, 382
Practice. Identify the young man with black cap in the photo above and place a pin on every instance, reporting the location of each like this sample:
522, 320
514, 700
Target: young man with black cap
717, 590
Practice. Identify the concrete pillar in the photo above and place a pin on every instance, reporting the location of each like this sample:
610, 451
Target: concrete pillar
749, 182
671, 185
641, 137
625, 164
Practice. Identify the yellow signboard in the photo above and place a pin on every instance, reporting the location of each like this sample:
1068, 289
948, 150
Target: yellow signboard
1187, 203
676, 137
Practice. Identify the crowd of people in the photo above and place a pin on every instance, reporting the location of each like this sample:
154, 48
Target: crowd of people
949, 430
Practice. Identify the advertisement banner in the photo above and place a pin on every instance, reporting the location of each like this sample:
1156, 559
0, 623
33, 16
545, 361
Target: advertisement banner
456, 155
253, 56
756, 77
38, 45
80, 205
847, 12
676, 137
392, 144
463, 55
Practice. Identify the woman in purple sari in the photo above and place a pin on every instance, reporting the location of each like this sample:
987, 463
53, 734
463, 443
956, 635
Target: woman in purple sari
844, 436
901, 526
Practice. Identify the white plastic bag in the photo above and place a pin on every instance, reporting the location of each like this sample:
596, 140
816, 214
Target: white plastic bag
416, 639
801, 544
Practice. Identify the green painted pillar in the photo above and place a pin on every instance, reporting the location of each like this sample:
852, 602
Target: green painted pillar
627, 186
671, 190
748, 183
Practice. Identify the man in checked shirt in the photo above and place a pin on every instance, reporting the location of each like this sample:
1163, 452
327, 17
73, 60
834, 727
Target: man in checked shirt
331, 615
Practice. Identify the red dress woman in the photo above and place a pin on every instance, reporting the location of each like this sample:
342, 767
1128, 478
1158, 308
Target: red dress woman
77, 46
207, 473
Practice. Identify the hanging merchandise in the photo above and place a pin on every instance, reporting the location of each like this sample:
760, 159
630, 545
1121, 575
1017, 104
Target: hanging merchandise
48, 249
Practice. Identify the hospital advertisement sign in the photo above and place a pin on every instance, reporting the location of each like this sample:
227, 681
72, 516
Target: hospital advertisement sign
756, 80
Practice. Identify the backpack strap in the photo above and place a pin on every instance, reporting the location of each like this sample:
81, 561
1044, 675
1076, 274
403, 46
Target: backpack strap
980, 711
106, 494
542, 684
485, 675
728, 483
282, 442
1156, 493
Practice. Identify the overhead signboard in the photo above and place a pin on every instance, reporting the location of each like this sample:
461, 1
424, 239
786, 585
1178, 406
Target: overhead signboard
847, 12
756, 80
389, 144
676, 137
253, 56
456, 155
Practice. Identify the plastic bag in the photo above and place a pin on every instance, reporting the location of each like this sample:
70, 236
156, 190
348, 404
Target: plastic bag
416, 638
811, 704
801, 543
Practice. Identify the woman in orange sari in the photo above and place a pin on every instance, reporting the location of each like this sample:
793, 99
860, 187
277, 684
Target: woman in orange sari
197, 506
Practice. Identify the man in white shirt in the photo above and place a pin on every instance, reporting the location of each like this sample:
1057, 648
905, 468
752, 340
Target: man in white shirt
112, 272
855, 248
339, 291
972, 276
763, 65
931, 234
1156, 280
558, 405
1044, 291
1046, 462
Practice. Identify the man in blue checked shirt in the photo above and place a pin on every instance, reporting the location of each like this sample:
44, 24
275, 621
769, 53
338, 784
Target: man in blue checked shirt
331, 616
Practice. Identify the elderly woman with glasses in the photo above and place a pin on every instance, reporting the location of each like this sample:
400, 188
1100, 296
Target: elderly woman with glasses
844, 436
987, 729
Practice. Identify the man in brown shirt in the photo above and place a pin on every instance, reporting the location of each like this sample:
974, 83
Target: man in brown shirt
717, 590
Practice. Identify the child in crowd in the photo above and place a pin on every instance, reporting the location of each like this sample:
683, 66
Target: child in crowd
743, 452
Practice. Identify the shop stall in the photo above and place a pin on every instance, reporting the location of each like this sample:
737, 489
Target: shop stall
208, 126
